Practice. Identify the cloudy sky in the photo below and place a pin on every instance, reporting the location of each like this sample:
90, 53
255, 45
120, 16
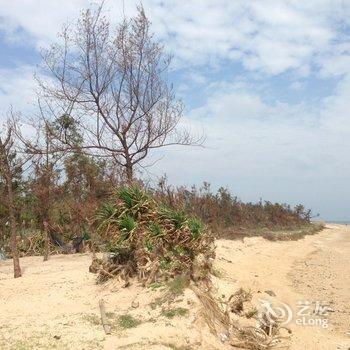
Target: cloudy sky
267, 81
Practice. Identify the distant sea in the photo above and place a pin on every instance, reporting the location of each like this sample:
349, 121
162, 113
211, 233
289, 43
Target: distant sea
338, 222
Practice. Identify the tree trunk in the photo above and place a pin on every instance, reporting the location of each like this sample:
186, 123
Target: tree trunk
14, 249
47, 185
129, 172
46, 241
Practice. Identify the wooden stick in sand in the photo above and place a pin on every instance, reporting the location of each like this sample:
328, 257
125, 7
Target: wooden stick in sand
105, 324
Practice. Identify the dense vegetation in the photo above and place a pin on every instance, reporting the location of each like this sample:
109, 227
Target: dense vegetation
82, 187
222, 210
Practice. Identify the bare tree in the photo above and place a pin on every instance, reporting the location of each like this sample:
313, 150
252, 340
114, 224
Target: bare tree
112, 83
8, 168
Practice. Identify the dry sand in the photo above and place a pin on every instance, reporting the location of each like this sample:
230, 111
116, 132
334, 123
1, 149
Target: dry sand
55, 304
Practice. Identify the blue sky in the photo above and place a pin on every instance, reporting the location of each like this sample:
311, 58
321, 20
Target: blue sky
268, 82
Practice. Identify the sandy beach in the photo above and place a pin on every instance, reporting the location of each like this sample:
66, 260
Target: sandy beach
55, 304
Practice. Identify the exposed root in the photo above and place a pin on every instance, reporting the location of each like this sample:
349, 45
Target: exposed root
255, 338
236, 301
217, 320
217, 316
108, 269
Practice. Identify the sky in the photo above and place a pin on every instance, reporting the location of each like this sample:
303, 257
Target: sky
267, 82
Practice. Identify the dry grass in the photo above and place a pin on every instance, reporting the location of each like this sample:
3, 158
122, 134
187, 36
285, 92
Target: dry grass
273, 235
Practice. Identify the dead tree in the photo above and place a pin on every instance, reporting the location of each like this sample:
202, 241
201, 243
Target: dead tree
46, 154
46, 184
112, 83
8, 168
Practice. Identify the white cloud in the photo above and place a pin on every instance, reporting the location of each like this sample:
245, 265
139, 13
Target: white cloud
270, 36
198, 78
335, 114
17, 88
39, 19
297, 85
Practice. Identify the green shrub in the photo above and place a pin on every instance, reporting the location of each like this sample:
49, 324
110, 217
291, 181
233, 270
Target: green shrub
160, 242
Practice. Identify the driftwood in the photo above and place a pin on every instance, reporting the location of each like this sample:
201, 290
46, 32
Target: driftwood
105, 324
